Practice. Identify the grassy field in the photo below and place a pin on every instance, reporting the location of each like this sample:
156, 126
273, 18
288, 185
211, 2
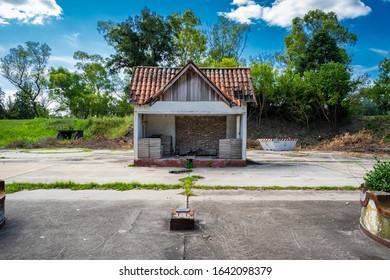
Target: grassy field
34, 130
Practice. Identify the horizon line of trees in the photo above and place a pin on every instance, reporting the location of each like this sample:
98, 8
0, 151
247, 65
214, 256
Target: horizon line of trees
311, 80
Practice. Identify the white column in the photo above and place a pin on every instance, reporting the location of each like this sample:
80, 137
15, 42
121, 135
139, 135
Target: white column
243, 133
238, 126
136, 132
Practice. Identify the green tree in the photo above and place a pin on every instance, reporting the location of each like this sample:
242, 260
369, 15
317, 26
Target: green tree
329, 86
293, 97
89, 92
25, 68
381, 91
322, 48
3, 111
227, 62
227, 38
143, 40
20, 107
69, 91
189, 41
316, 39
263, 80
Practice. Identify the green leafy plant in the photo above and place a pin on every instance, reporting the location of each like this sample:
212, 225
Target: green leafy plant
378, 179
189, 164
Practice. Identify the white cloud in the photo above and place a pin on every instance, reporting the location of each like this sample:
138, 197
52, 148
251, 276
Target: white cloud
72, 39
28, 11
244, 2
282, 12
379, 51
359, 70
245, 13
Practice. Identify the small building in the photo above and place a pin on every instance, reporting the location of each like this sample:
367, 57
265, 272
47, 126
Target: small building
190, 113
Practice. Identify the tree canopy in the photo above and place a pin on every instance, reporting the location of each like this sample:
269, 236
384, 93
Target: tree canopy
227, 39
316, 39
25, 68
145, 39
189, 40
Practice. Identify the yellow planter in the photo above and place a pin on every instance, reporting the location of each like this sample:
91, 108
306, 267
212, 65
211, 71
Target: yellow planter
375, 215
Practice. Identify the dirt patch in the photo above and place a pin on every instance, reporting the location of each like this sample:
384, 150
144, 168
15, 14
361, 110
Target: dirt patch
358, 134
96, 143
362, 141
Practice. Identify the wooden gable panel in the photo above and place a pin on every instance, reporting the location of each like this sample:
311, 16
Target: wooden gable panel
190, 87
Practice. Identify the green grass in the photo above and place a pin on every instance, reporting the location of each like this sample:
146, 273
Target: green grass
33, 130
26, 132
15, 187
188, 183
109, 127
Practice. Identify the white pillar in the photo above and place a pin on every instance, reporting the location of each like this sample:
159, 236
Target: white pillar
136, 132
243, 133
238, 126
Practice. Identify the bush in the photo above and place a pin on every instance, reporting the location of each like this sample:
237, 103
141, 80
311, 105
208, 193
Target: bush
378, 179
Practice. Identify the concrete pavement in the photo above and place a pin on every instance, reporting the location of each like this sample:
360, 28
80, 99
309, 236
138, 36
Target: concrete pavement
233, 225
102, 166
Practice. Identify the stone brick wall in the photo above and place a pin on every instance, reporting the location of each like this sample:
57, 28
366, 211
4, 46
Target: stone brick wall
201, 132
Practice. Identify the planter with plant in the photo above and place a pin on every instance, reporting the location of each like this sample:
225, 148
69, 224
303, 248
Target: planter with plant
375, 201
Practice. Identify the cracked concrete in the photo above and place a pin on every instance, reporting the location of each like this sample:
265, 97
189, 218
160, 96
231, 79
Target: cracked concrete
104, 166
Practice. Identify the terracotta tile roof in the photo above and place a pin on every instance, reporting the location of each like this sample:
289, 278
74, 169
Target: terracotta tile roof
150, 82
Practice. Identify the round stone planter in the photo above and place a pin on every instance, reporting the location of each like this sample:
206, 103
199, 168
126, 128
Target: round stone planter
2, 201
375, 215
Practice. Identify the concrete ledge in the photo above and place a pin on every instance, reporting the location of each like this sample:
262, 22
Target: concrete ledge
195, 162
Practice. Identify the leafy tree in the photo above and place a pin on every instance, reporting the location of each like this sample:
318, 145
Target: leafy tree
227, 38
189, 41
322, 48
316, 39
68, 90
272, 59
292, 95
329, 86
87, 92
143, 40
225, 62
360, 100
263, 80
381, 91
2, 105
93, 72
20, 107
25, 68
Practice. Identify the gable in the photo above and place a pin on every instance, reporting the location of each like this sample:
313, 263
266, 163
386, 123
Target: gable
190, 87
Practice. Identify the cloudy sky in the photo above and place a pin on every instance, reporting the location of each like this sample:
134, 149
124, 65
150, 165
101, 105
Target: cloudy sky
70, 25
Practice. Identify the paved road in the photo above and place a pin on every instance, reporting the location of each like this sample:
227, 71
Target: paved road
102, 166
64, 224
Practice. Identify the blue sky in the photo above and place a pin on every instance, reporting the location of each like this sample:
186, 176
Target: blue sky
70, 25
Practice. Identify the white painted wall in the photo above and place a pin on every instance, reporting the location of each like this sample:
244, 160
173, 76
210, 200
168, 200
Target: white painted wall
160, 124
231, 126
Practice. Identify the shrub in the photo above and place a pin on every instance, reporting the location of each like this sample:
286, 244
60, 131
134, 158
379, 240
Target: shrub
378, 179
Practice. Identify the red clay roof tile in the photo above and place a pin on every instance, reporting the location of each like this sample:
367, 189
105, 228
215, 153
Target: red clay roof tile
147, 82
